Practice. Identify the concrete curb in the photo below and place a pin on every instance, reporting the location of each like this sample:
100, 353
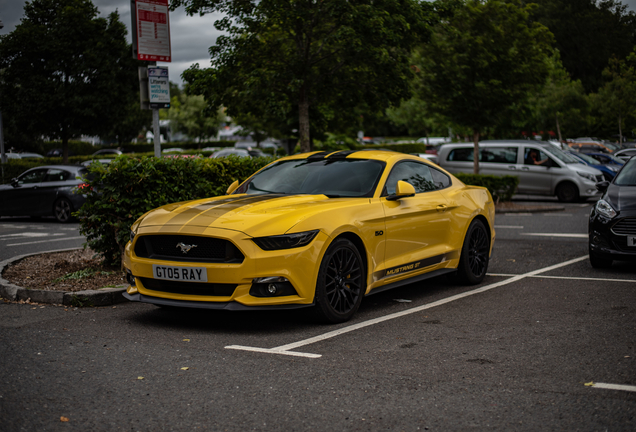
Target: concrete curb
531, 209
102, 297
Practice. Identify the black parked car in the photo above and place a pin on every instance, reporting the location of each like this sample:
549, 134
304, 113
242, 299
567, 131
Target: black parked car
44, 191
612, 224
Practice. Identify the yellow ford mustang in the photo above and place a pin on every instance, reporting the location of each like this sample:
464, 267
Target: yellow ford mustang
317, 229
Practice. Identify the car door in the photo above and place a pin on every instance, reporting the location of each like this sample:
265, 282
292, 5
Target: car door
22, 198
418, 227
55, 181
536, 172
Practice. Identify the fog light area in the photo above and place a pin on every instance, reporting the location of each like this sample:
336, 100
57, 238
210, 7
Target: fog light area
130, 278
272, 287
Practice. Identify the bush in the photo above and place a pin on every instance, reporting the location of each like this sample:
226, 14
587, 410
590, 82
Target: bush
129, 187
502, 188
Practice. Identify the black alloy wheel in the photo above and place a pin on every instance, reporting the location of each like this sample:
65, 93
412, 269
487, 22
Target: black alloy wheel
567, 192
474, 259
62, 210
341, 282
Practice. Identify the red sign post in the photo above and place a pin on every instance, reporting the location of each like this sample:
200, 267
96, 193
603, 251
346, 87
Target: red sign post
151, 33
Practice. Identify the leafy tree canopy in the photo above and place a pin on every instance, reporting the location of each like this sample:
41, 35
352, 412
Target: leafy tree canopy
482, 60
189, 114
587, 34
65, 72
314, 59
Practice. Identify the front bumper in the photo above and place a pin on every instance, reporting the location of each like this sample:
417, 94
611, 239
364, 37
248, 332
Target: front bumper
299, 266
605, 242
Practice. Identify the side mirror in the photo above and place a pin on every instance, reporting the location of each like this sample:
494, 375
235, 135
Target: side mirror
402, 190
232, 187
602, 186
14, 182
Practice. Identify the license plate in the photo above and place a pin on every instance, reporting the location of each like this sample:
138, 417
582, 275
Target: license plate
631, 241
186, 274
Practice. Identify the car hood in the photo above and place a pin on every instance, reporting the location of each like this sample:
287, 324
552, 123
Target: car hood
254, 215
584, 168
622, 198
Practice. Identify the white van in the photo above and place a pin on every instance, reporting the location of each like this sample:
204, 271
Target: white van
542, 168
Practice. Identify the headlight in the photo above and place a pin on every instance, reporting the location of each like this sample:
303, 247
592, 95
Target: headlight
614, 167
588, 176
604, 208
287, 241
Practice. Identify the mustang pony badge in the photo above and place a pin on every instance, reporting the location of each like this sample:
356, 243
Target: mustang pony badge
184, 247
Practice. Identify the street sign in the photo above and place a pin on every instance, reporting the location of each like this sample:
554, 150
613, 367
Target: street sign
151, 30
158, 87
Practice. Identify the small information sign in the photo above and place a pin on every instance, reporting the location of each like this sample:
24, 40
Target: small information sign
152, 30
158, 87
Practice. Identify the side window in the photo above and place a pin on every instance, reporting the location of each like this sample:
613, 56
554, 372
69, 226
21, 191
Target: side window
461, 155
505, 155
35, 176
419, 175
55, 175
533, 156
440, 179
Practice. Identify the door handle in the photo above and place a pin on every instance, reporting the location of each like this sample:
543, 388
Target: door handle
512, 167
525, 169
442, 208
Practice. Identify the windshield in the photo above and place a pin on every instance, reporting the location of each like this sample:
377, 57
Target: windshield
332, 177
627, 176
561, 155
586, 158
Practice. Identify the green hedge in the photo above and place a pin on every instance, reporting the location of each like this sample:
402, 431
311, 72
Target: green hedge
502, 188
130, 186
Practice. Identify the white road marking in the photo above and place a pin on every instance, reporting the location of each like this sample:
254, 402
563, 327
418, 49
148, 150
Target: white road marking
557, 235
565, 277
27, 235
509, 226
558, 214
47, 241
517, 214
629, 388
285, 349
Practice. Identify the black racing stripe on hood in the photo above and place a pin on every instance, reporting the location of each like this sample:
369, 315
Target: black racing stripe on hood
318, 156
229, 204
342, 154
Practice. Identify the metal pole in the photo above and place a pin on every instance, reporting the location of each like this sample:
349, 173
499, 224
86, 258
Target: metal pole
156, 131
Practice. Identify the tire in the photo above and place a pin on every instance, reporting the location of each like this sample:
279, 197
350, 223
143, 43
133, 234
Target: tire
62, 210
341, 283
474, 258
567, 192
598, 262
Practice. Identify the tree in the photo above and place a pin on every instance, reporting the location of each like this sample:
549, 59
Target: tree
66, 72
189, 114
615, 100
587, 34
562, 103
482, 60
314, 59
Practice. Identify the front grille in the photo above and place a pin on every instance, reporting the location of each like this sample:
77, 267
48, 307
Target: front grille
626, 226
203, 249
191, 288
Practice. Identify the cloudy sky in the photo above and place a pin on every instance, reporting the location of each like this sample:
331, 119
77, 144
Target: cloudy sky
191, 37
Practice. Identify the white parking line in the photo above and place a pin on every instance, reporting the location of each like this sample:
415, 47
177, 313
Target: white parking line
558, 214
8, 237
565, 277
629, 388
47, 241
285, 349
509, 226
518, 214
557, 235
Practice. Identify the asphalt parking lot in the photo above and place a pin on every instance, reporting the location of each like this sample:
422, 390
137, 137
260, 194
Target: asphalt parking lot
544, 343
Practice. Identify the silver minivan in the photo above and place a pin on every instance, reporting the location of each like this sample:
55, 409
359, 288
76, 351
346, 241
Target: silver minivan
542, 168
